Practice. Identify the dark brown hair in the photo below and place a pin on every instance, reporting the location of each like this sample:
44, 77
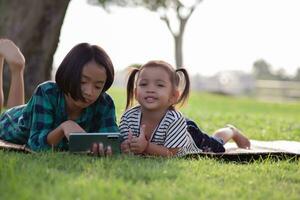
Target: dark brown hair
69, 72
175, 78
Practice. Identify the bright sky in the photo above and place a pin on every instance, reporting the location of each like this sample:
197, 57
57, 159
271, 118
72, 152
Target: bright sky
220, 35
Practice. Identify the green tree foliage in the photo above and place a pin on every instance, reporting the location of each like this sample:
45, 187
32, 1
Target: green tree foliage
262, 70
281, 75
297, 76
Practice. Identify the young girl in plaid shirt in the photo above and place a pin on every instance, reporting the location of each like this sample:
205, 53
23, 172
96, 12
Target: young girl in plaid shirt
76, 102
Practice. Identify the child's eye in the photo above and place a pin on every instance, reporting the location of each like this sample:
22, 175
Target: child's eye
142, 84
98, 87
161, 85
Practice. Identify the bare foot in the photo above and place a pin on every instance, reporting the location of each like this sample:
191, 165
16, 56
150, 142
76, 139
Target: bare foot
241, 140
13, 56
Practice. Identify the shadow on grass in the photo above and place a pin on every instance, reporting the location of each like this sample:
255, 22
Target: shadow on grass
247, 157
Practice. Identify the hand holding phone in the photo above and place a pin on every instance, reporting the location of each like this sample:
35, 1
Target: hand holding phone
85, 142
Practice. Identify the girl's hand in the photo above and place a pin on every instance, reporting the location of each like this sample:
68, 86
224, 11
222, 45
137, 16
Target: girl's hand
98, 149
71, 127
125, 145
63, 130
13, 56
139, 144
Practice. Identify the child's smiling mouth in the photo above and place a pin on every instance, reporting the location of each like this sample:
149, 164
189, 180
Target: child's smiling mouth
150, 99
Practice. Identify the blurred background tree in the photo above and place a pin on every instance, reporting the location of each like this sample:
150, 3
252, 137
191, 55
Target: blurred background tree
262, 70
175, 14
297, 76
34, 25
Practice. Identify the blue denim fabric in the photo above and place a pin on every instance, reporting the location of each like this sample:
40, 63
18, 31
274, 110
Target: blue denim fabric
203, 141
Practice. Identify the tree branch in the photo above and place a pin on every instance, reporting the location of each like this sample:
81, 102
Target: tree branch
167, 21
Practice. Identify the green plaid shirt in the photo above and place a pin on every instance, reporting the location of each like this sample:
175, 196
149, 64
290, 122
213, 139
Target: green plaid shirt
31, 123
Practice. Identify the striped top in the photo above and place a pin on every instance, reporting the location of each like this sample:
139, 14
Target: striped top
171, 132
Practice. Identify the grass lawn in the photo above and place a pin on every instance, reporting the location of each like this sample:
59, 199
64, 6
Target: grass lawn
64, 176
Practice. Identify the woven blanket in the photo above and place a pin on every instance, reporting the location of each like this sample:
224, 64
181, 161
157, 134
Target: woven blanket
14, 147
279, 149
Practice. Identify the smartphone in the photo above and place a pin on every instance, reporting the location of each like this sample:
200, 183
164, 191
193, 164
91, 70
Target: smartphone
82, 142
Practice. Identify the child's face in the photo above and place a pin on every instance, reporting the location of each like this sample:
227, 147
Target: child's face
154, 90
93, 78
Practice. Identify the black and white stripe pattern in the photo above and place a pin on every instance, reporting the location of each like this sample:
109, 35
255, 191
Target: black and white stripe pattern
171, 131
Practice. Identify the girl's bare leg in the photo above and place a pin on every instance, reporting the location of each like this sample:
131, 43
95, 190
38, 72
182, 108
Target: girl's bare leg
16, 94
16, 61
231, 132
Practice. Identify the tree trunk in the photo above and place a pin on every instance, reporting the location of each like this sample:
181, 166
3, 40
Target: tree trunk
34, 25
178, 50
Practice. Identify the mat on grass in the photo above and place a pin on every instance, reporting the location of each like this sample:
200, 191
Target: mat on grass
278, 149
14, 147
